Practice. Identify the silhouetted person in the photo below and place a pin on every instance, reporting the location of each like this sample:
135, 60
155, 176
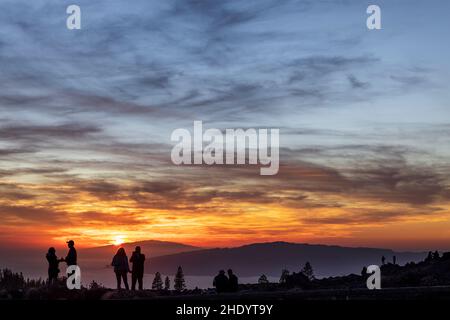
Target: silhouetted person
383, 260
53, 266
137, 271
221, 282
394, 259
232, 281
71, 258
121, 267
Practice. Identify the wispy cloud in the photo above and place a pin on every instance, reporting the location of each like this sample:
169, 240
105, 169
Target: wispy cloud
86, 117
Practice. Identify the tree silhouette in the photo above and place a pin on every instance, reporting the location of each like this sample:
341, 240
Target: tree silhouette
157, 282
263, 279
167, 284
179, 283
10, 280
364, 272
308, 271
436, 255
284, 275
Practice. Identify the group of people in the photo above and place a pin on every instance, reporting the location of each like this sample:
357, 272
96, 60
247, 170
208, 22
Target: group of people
222, 283
121, 268
120, 262
53, 261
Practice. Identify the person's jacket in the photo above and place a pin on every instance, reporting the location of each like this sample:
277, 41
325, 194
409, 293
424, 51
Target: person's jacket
221, 283
71, 258
233, 283
120, 263
137, 259
53, 263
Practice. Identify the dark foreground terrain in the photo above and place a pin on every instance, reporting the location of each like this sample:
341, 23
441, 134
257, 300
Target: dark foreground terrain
406, 293
426, 280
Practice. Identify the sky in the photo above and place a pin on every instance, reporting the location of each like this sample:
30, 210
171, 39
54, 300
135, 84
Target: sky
86, 117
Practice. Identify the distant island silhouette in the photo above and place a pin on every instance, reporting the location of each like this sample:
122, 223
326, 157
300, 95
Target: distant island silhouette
271, 257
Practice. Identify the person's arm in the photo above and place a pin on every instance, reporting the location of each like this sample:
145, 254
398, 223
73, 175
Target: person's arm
132, 258
128, 266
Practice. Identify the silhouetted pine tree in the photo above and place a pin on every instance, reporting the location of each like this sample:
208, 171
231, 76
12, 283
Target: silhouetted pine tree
263, 279
10, 280
167, 284
284, 275
157, 282
364, 272
179, 283
308, 271
436, 255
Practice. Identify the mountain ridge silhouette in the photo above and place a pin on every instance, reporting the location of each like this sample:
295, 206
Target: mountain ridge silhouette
271, 257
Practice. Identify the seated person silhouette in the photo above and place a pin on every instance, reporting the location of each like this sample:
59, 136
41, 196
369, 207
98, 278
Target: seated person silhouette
232, 281
221, 282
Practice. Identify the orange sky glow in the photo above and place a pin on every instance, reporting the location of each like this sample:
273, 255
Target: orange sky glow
229, 218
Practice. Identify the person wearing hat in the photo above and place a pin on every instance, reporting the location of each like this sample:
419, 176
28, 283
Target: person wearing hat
71, 258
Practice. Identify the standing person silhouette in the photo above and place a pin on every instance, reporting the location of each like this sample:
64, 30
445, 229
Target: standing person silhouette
233, 284
53, 266
137, 271
71, 258
121, 268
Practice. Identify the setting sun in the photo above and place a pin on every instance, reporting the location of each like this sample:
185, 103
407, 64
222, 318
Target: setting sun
118, 240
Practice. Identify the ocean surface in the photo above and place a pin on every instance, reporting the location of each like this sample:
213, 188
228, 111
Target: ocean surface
34, 267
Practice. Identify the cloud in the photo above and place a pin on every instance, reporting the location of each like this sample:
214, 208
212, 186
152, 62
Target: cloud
38, 133
364, 216
86, 123
27, 214
356, 83
95, 218
13, 151
13, 192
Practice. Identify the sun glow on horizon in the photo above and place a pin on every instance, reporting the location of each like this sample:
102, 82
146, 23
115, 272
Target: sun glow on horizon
118, 240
